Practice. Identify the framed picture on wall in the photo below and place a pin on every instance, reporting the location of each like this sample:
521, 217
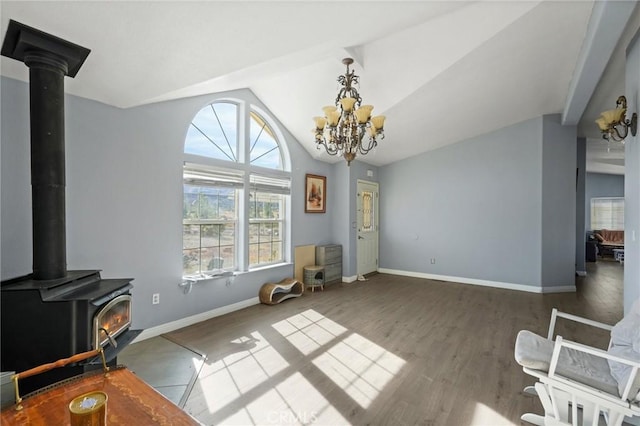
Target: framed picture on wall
315, 194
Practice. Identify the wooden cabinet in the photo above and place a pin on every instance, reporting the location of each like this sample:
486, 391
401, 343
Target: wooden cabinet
330, 256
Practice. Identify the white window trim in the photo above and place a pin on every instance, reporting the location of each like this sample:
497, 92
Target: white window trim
243, 165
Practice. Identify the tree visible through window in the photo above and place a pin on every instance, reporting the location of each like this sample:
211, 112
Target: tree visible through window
209, 224
216, 224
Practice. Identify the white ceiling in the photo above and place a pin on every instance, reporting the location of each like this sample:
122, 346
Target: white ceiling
441, 71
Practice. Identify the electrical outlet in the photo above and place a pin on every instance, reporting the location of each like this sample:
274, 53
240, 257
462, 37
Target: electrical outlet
156, 298
433, 260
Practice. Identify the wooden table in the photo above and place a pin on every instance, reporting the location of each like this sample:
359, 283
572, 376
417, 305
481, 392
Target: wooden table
131, 401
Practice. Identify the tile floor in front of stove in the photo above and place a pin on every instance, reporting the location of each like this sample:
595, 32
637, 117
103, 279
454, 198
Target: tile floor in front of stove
169, 368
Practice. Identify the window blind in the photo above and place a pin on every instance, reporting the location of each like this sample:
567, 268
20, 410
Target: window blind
209, 176
607, 213
271, 184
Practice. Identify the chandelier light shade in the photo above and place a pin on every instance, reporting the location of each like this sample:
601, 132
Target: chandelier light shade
614, 124
347, 127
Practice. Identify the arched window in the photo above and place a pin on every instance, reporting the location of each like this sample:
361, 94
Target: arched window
213, 132
265, 150
236, 190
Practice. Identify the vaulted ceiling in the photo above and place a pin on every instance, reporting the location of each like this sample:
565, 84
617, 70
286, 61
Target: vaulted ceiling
441, 71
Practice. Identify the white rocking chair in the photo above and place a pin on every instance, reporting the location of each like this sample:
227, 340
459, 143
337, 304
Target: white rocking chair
577, 384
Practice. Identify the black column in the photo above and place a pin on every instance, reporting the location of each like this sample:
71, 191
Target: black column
49, 59
46, 77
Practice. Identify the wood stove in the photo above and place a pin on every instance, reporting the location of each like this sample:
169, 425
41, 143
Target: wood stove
54, 313
46, 320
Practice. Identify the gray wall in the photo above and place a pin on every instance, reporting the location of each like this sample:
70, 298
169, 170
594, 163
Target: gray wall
632, 181
558, 203
341, 211
498, 207
124, 200
601, 185
581, 158
473, 206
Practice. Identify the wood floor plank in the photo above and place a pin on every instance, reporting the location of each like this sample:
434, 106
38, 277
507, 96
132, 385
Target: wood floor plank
390, 350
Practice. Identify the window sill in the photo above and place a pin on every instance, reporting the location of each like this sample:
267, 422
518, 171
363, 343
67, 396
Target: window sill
266, 267
189, 280
208, 276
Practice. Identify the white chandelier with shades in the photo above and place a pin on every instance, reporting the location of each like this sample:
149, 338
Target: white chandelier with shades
344, 126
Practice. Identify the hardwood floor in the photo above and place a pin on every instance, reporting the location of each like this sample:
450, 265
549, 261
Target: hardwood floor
390, 350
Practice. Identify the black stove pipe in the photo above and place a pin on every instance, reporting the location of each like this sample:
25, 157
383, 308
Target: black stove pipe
49, 59
46, 77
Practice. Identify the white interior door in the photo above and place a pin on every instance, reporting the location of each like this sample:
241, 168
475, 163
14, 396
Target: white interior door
367, 231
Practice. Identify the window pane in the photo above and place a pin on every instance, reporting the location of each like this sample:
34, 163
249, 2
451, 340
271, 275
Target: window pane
367, 210
191, 261
213, 132
254, 233
208, 246
190, 205
202, 202
228, 245
277, 231
211, 259
215, 247
227, 235
253, 254
265, 229
276, 251
190, 236
265, 252
265, 244
266, 206
210, 235
269, 252
265, 151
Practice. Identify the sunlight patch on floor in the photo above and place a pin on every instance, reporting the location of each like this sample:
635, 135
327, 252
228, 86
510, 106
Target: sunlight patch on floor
293, 401
226, 379
483, 415
248, 382
357, 365
309, 330
360, 367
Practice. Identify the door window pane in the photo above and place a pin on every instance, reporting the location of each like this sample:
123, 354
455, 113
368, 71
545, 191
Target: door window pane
367, 211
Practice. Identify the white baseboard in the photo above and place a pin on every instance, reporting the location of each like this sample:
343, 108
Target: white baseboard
581, 273
194, 319
485, 283
349, 279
